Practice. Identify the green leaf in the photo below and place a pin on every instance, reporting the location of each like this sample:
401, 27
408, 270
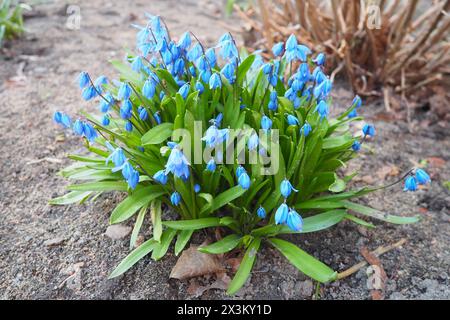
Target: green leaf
161, 248
337, 186
141, 197
135, 255
182, 240
158, 134
304, 262
193, 224
245, 267
319, 204
223, 198
155, 214
126, 72
244, 67
100, 186
226, 244
137, 226
71, 197
359, 221
376, 214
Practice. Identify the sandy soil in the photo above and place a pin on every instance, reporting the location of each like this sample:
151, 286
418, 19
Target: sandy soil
41, 245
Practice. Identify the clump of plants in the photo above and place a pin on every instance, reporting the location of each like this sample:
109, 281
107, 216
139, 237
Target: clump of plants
226, 140
385, 47
11, 19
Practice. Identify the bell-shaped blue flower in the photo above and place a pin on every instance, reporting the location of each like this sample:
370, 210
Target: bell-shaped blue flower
266, 123
320, 59
292, 120
356, 146
137, 64
253, 142
185, 41
368, 130
240, 170
143, 113
149, 88
177, 164
357, 102
291, 43
194, 53
261, 212
353, 114
78, 127
211, 165
157, 117
278, 49
244, 180
83, 79
199, 87
175, 198
128, 126
161, 177
211, 56
410, 184
57, 117
126, 109
105, 120
294, 221
422, 177
89, 93
228, 72
286, 188
306, 129
124, 92
322, 109
281, 214
184, 90
197, 188
215, 81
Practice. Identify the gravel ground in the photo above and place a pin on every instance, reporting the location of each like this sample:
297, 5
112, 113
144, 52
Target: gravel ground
41, 246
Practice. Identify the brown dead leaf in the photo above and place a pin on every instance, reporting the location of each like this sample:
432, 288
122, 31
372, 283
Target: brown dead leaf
193, 263
222, 281
436, 162
233, 263
379, 274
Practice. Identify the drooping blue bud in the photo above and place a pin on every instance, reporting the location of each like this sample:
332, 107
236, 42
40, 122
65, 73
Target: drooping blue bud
277, 49
215, 81
137, 64
244, 180
422, 177
199, 87
149, 88
368, 130
175, 198
320, 59
157, 117
197, 188
322, 109
253, 142
353, 114
240, 170
211, 56
57, 117
83, 79
126, 109
105, 120
124, 92
128, 126
286, 188
410, 184
89, 93
281, 214
184, 90
306, 129
266, 123
356, 146
292, 120
143, 114
291, 43
357, 102
160, 177
294, 221
211, 165
78, 127
185, 41
261, 212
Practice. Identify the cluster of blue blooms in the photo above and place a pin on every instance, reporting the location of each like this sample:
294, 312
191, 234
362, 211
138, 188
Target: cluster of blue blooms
187, 60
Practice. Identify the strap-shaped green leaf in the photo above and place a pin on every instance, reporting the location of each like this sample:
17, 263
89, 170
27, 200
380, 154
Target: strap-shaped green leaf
304, 262
222, 199
135, 255
71, 197
162, 247
376, 214
183, 238
140, 197
100, 186
245, 267
225, 245
193, 224
158, 134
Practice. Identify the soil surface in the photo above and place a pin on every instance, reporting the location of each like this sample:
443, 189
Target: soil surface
49, 252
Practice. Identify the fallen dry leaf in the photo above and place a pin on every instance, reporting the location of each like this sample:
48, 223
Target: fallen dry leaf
117, 231
193, 263
222, 281
233, 263
436, 162
379, 278
387, 171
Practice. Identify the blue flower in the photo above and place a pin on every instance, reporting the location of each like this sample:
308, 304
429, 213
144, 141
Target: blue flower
357, 102
211, 165
277, 49
78, 127
267, 68
88, 93
422, 177
297, 85
353, 114
261, 212
143, 113
205, 75
356, 146
368, 130
244, 180
306, 129
126, 109
322, 109
291, 43
197, 188
193, 71
292, 120
320, 59
185, 41
281, 214
177, 164
105, 120
175, 198
211, 56
57, 117
99, 82
228, 50
199, 87
124, 92
106, 103
117, 157
303, 72
149, 88
240, 170
215, 81
228, 72
266, 123
214, 136
89, 132
83, 79
128, 126
160, 177
410, 184
137, 64
130, 175
253, 142
194, 53
294, 221
184, 90
286, 188
157, 117
202, 63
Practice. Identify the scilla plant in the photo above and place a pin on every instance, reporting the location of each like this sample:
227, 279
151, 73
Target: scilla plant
167, 137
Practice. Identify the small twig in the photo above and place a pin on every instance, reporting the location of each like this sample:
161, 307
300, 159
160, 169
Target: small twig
377, 252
